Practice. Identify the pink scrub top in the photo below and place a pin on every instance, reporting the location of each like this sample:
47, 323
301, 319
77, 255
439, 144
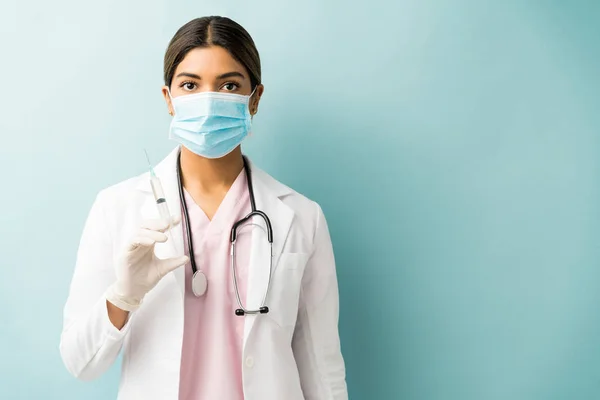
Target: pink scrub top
211, 358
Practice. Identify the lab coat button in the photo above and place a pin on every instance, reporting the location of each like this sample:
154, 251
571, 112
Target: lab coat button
249, 362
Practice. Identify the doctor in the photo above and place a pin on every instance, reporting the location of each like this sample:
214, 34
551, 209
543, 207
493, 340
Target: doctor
133, 293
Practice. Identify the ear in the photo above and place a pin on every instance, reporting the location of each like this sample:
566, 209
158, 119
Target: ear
260, 89
165, 92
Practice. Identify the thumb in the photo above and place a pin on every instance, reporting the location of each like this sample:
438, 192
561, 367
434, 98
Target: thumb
175, 219
170, 264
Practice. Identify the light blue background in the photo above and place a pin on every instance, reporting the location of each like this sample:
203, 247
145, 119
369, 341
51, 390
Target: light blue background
452, 144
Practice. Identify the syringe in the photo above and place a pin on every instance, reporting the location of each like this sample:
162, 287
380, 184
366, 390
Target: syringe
161, 203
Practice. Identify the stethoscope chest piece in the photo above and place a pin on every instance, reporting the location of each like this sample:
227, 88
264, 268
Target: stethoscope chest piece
199, 283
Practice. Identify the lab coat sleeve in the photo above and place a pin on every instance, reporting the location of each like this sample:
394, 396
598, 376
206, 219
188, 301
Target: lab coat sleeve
89, 343
316, 342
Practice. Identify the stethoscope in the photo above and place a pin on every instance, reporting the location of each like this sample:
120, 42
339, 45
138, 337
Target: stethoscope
199, 281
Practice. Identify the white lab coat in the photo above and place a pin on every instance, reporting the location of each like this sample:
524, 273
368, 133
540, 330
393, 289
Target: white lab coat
291, 353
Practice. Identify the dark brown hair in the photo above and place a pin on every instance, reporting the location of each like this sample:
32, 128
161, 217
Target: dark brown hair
213, 31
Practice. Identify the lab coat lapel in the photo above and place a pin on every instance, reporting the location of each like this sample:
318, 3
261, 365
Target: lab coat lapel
166, 171
266, 191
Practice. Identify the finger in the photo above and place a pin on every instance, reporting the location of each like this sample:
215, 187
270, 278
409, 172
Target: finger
140, 241
158, 225
161, 224
170, 264
157, 236
147, 238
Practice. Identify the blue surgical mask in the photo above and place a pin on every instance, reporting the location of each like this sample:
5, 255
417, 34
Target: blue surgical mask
210, 124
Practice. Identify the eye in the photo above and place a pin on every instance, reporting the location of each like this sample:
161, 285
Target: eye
188, 85
230, 86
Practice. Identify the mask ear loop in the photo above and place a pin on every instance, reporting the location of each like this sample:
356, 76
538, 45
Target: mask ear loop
251, 116
171, 98
172, 105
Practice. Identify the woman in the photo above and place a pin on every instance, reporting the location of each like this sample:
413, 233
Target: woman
186, 328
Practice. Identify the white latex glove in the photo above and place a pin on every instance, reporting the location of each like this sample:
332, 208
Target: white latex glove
139, 270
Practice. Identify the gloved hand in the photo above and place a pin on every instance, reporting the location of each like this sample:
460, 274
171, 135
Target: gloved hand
139, 270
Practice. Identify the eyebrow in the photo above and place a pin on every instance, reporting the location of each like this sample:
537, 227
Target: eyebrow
189, 75
231, 75
222, 76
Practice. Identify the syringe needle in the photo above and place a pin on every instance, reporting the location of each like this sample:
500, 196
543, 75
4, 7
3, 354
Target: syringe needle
149, 163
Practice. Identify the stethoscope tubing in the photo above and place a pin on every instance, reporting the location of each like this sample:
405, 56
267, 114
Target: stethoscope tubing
263, 309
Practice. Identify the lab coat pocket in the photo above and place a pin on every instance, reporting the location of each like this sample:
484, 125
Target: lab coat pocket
285, 288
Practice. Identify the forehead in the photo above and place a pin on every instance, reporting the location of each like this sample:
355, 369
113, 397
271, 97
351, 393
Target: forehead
209, 61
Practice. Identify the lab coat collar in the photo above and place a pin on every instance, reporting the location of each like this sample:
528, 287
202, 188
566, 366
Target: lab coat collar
267, 192
166, 170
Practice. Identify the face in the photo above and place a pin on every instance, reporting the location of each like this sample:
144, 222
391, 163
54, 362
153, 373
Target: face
211, 69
